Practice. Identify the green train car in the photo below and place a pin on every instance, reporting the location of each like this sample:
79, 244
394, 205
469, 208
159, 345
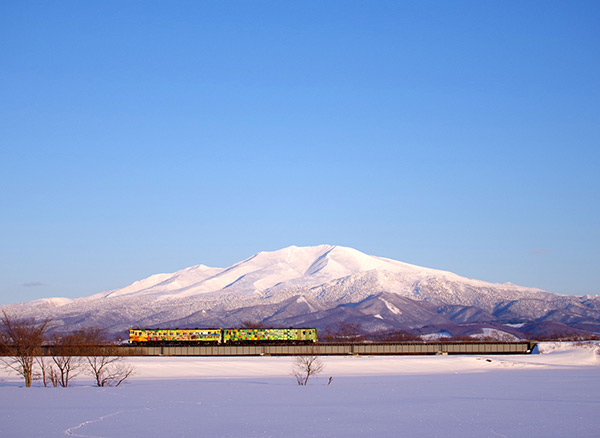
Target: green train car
237, 336
269, 336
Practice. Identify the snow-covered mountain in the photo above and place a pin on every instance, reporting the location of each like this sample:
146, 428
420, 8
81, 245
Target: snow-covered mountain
321, 286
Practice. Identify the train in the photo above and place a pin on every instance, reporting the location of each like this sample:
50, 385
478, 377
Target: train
228, 336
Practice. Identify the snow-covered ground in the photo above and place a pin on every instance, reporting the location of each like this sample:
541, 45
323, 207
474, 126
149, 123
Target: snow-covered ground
552, 394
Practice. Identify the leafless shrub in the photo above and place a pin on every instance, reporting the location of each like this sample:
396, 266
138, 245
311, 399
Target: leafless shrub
47, 371
107, 368
66, 353
21, 342
69, 352
89, 350
304, 367
116, 374
53, 376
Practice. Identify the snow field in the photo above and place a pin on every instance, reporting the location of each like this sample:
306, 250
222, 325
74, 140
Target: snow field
555, 355
554, 394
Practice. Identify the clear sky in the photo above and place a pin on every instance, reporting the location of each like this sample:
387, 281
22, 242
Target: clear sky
140, 137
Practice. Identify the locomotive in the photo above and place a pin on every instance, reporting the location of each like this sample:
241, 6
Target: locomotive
228, 336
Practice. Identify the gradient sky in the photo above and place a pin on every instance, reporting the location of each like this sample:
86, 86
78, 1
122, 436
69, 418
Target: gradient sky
142, 137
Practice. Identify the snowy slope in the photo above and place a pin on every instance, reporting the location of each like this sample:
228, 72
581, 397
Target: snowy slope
321, 286
307, 267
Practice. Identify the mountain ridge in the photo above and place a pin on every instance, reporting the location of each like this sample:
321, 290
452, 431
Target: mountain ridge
266, 287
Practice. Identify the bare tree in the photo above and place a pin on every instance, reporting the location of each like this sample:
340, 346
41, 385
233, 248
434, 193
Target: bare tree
88, 350
109, 370
107, 366
53, 375
47, 371
21, 341
67, 355
306, 366
105, 362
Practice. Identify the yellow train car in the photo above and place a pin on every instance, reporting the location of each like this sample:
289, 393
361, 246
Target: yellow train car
174, 336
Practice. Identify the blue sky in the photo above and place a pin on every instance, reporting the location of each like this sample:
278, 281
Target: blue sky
145, 137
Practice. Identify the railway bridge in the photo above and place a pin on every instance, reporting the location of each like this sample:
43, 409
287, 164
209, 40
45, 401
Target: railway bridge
335, 349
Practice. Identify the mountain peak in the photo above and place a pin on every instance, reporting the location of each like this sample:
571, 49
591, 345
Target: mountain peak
315, 286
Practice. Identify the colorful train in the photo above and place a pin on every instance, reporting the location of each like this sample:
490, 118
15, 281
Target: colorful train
234, 336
